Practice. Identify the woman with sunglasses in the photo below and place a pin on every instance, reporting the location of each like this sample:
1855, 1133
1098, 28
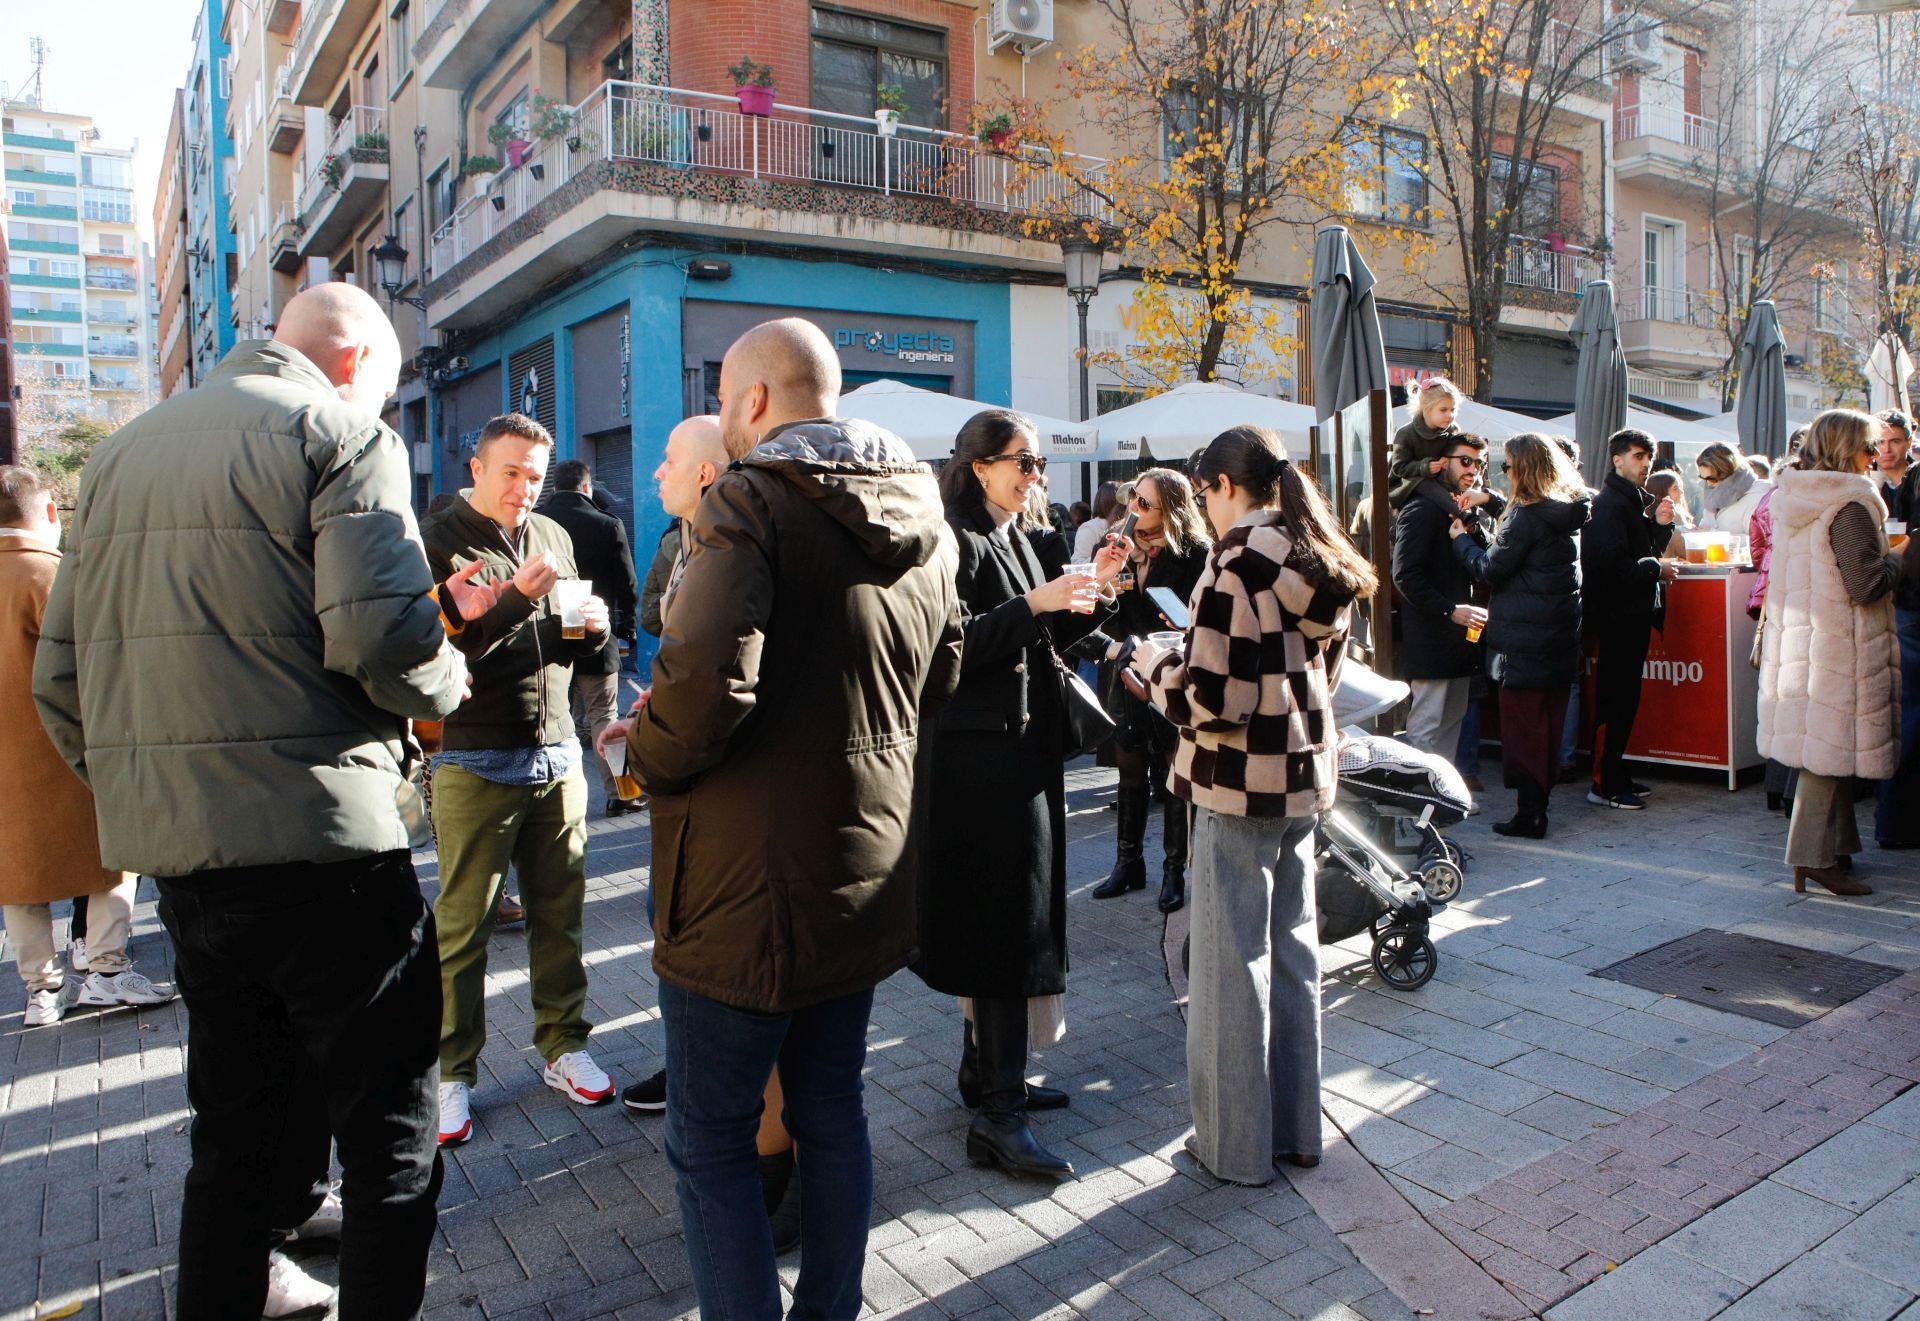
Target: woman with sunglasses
993, 893
1169, 550
1251, 693
1732, 491
1533, 622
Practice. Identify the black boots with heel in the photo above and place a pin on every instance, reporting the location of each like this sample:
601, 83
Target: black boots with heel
1038, 1097
1000, 1135
1130, 863
1173, 871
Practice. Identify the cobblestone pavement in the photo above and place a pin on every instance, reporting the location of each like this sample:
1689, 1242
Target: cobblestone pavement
1466, 1097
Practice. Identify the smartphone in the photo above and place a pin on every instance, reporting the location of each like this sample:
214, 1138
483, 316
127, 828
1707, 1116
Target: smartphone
1171, 606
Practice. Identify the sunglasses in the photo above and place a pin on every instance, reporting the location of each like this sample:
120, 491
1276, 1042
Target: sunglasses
1711, 481
1468, 460
1143, 504
1029, 462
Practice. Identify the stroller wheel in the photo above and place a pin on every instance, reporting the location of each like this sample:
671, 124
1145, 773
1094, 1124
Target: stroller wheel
1383, 924
1404, 958
1441, 879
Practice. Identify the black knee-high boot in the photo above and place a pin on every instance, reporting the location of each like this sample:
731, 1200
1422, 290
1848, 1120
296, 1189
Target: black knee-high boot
1038, 1097
1130, 862
1000, 1135
1173, 871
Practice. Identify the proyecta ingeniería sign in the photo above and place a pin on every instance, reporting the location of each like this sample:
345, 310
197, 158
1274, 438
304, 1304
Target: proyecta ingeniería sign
902, 345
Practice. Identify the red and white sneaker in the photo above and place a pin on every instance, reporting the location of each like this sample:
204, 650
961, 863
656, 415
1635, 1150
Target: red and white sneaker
456, 1114
575, 1074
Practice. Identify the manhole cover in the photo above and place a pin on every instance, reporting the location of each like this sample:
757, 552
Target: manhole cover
1764, 979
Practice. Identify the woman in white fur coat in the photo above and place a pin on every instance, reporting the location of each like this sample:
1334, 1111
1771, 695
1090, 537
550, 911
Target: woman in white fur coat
1830, 664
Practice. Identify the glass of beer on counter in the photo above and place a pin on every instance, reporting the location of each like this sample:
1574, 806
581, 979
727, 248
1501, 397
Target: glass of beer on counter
569, 594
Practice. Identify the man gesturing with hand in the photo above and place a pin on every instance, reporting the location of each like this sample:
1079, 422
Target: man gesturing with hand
507, 783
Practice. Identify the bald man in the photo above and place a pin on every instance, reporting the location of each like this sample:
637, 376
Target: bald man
245, 572
814, 615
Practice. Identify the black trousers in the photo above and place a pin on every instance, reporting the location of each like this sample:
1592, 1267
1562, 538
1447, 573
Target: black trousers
1617, 670
313, 1013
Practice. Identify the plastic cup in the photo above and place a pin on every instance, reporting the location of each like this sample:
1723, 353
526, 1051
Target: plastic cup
569, 595
624, 785
1082, 600
1166, 641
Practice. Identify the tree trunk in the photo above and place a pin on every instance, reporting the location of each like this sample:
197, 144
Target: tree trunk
1210, 346
1482, 317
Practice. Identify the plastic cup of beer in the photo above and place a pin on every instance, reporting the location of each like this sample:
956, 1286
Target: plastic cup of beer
569, 595
1474, 629
624, 785
1082, 600
1896, 533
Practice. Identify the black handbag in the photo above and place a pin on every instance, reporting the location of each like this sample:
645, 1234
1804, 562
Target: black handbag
1087, 723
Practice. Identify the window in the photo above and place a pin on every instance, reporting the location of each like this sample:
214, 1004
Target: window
370, 91
517, 116
1830, 300
1743, 274
1180, 123
1539, 205
400, 28
107, 171
618, 65
1386, 174
439, 198
400, 232
854, 55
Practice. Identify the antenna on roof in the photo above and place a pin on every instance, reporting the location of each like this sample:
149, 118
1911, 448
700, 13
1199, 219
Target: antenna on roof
35, 92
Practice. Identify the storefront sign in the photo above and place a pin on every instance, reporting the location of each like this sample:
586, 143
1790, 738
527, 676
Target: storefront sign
906, 345
626, 364
928, 351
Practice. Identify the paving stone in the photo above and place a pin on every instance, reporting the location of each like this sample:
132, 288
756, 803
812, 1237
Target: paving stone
1818, 1289
1885, 1242
1856, 1168
1657, 1285
1759, 1232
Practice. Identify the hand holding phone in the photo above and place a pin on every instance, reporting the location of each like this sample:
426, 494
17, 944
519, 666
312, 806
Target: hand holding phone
1171, 607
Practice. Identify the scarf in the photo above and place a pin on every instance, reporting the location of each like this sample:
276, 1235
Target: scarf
1730, 492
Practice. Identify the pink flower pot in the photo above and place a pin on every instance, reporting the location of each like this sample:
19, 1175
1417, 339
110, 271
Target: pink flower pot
518, 150
756, 100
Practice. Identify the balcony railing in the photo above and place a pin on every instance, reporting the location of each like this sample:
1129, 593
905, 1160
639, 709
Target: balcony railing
363, 128
1565, 44
1680, 307
639, 122
113, 346
111, 381
1669, 123
1559, 268
109, 280
315, 16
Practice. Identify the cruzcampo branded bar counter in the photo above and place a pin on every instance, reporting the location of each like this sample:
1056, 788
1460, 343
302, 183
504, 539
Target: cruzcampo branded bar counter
1699, 694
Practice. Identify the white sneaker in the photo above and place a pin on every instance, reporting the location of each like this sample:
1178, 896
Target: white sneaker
77, 955
293, 1292
123, 988
323, 1223
456, 1114
46, 1007
580, 1078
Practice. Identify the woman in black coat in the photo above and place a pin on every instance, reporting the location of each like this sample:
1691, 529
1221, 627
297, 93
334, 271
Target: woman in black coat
1170, 545
1533, 624
993, 898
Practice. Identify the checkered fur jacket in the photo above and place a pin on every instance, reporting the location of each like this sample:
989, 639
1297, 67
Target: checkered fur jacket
1252, 696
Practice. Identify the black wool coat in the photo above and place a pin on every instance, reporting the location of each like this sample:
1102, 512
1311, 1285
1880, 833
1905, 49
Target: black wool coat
601, 554
1533, 567
993, 891
1429, 580
1619, 557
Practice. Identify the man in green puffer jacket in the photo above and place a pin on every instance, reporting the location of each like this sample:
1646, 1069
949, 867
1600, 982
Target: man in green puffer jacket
239, 632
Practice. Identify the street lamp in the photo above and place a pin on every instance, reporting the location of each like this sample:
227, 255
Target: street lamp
1081, 257
390, 266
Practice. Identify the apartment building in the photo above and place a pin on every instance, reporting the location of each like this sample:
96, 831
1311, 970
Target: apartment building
79, 326
208, 167
172, 365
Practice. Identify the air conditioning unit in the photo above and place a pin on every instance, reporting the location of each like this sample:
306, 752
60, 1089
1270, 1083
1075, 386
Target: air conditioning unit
1639, 44
1027, 24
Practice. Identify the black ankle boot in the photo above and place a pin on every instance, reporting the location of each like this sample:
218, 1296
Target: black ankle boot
1173, 871
1000, 1135
1130, 863
1038, 1097
1530, 816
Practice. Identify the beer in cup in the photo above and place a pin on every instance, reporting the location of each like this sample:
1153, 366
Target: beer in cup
569, 594
624, 785
1082, 600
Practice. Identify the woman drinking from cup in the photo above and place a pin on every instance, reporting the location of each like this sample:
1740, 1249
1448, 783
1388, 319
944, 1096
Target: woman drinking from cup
1169, 550
1252, 698
993, 901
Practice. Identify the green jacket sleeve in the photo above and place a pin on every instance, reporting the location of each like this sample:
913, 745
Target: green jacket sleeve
708, 669
56, 675
370, 583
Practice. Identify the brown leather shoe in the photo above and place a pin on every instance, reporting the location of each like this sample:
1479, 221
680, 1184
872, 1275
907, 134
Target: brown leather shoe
1832, 879
509, 912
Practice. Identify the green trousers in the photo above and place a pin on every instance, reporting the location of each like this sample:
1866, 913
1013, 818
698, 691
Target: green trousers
542, 831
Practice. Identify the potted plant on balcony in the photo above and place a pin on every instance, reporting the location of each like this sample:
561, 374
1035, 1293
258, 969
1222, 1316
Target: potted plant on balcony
332, 170
480, 169
753, 84
995, 130
508, 139
370, 142
890, 102
552, 120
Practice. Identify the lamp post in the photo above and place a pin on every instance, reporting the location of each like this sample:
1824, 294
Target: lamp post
390, 269
1080, 256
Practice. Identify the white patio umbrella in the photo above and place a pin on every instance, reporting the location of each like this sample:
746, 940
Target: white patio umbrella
1660, 426
1889, 368
929, 420
1484, 420
1173, 425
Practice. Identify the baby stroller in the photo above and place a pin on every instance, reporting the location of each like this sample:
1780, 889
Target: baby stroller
1361, 885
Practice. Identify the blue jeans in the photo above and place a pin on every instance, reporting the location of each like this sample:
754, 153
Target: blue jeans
1466, 759
1894, 821
718, 1059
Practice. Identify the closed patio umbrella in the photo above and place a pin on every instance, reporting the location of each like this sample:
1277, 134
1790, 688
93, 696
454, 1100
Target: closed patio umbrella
1600, 380
1348, 356
1889, 368
1762, 406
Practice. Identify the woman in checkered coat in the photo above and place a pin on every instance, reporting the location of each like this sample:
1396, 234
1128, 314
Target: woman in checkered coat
1251, 695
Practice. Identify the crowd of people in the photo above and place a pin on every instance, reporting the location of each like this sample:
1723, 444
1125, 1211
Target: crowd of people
852, 754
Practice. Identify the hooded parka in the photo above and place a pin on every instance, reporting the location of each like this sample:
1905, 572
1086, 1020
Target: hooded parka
1533, 569
815, 617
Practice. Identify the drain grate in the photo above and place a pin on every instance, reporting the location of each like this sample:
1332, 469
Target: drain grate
1761, 979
